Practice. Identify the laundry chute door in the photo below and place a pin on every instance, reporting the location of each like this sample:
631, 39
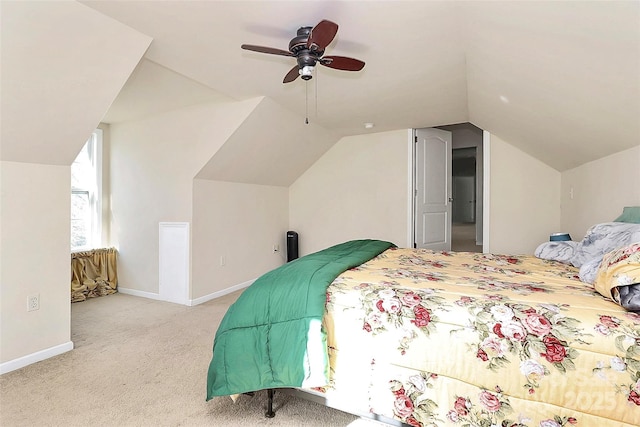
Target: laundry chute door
432, 189
174, 262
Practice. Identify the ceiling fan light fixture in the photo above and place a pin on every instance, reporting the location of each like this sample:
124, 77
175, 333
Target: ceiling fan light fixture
306, 72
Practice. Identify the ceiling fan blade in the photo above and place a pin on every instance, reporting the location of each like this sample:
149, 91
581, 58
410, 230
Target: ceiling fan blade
291, 75
342, 63
322, 34
263, 49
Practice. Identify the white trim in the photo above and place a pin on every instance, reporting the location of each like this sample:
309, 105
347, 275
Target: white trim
410, 196
221, 293
38, 356
137, 293
97, 204
486, 190
190, 302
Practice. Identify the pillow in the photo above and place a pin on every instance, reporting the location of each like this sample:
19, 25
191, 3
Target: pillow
618, 277
599, 240
629, 214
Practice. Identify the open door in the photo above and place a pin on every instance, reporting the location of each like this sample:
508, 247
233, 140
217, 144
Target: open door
432, 196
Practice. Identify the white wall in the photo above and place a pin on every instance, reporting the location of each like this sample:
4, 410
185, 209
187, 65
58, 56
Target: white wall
153, 164
35, 259
524, 200
241, 223
63, 64
600, 190
358, 189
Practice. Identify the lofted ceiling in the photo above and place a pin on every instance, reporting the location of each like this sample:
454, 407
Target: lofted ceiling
559, 80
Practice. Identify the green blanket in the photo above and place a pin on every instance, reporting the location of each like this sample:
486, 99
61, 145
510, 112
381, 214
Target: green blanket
272, 336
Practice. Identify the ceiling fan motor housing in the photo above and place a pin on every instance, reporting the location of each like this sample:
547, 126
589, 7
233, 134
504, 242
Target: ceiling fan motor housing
306, 57
299, 42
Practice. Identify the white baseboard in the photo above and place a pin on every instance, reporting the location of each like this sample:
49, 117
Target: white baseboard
137, 293
221, 293
190, 302
38, 356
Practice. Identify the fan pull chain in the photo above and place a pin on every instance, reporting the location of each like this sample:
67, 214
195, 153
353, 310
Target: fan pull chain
306, 102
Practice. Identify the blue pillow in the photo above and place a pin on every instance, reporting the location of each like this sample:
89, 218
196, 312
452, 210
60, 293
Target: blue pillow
629, 214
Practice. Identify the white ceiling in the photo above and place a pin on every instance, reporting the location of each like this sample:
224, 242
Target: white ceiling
559, 80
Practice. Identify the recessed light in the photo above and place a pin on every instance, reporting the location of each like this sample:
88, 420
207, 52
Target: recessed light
368, 125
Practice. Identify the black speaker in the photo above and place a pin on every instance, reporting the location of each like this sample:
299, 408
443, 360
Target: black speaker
292, 245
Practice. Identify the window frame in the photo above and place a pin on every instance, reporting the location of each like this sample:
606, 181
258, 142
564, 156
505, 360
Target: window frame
94, 189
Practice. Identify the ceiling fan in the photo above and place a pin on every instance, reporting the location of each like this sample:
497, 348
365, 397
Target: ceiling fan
308, 47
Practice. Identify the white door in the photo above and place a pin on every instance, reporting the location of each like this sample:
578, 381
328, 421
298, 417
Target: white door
174, 262
432, 189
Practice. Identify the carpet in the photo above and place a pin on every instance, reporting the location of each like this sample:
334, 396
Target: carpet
141, 362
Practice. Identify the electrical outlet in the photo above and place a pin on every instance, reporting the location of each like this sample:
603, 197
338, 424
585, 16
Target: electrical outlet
276, 248
33, 302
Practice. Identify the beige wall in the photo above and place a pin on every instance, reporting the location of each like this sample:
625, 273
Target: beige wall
153, 164
524, 200
63, 64
240, 222
600, 190
358, 189
34, 255
56, 85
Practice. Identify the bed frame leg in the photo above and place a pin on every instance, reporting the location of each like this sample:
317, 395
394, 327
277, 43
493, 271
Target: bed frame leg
270, 413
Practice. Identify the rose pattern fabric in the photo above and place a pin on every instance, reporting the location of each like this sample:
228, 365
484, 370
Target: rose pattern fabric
627, 339
445, 315
488, 408
409, 406
386, 307
540, 338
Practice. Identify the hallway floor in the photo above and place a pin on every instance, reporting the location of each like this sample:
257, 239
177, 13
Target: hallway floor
463, 238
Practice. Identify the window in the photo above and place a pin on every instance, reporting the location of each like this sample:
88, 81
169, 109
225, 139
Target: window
86, 185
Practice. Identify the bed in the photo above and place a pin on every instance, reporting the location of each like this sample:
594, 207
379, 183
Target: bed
430, 338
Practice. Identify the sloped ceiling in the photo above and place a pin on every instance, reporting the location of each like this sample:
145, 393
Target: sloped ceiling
153, 89
63, 64
559, 80
277, 154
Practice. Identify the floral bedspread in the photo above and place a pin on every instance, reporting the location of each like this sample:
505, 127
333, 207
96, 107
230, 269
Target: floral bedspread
471, 339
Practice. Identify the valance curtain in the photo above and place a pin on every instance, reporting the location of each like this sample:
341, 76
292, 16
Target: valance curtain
93, 274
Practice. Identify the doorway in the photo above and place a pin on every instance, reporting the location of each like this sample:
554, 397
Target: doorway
465, 222
465, 199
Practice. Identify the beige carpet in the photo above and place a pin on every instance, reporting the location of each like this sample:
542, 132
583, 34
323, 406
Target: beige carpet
139, 362
463, 238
